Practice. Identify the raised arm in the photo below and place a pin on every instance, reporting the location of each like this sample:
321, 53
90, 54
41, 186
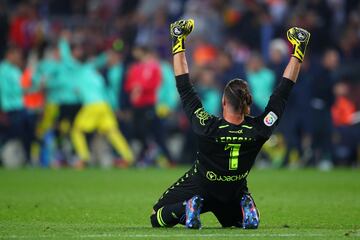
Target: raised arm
299, 38
292, 70
180, 64
179, 31
65, 51
98, 61
200, 120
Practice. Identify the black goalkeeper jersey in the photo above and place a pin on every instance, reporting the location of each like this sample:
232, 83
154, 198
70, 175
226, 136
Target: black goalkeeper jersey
226, 152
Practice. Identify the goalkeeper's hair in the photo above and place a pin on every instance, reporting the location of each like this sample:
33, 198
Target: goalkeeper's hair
237, 93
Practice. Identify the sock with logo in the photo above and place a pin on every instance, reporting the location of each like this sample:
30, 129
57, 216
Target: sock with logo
169, 215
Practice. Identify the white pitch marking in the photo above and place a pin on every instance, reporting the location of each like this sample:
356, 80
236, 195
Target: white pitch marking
229, 235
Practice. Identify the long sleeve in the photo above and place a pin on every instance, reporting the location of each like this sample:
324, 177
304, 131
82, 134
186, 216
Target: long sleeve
99, 61
65, 52
270, 118
200, 120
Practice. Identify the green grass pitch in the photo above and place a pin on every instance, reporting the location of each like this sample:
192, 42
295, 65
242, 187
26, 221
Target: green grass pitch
115, 204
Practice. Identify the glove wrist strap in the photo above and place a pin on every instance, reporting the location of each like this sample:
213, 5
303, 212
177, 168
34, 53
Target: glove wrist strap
178, 45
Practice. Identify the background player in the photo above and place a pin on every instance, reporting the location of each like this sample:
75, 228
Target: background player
227, 146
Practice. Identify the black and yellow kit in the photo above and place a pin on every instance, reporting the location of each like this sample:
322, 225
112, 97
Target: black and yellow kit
226, 153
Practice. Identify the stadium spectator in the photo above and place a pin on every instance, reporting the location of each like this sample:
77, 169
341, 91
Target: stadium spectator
343, 110
166, 104
278, 52
167, 97
33, 103
142, 83
11, 97
154, 26
45, 77
346, 126
261, 81
321, 101
227, 68
209, 91
65, 84
110, 64
208, 19
297, 129
48, 76
4, 26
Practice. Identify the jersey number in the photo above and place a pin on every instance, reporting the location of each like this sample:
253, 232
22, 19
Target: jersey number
234, 155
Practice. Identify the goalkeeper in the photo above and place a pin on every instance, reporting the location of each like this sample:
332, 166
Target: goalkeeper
227, 145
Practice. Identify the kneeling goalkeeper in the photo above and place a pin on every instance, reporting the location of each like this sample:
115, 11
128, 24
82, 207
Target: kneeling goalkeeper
227, 145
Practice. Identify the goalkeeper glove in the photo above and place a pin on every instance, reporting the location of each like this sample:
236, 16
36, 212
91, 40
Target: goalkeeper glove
179, 30
299, 38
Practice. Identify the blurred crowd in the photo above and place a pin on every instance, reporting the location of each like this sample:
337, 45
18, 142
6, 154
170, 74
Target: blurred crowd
90, 82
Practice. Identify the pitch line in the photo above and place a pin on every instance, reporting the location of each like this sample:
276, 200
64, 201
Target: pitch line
200, 235
209, 235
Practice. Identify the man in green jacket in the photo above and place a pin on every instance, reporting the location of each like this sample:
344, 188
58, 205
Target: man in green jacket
11, 96
46, 76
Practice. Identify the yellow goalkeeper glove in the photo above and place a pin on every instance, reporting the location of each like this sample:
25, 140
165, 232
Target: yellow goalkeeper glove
299, 38
179, 30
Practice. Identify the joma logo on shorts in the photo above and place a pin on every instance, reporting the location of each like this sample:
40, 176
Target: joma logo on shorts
210, 175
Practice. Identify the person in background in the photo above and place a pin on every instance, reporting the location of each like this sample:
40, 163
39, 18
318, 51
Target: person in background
44, 77
114, 74
47, 77
261, 81
278, 52
208, 91
142, 83
111, 66
297, 129
11, 97
95, 113
321, 100
227, 68
346, 127
166, 104
4, 27
34, 103
71, 57
344, 108
167, 97
61, 91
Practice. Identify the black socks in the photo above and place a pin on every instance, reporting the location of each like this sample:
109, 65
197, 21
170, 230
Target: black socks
169, 215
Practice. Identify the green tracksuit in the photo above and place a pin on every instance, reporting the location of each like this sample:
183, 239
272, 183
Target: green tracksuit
11, 92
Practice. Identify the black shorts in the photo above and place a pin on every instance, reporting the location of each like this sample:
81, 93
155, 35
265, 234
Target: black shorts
69, 111
228, 212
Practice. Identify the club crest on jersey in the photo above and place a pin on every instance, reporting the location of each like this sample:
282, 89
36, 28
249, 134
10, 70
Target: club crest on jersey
202, 115
270, 119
